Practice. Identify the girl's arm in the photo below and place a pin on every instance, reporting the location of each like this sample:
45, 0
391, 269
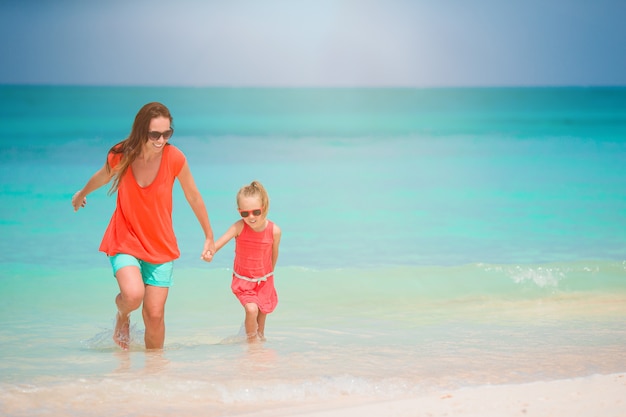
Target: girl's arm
199, 209
277, 234
232, 232
100, 178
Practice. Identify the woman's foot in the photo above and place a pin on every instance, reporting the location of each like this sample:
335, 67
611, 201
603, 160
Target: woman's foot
121, 333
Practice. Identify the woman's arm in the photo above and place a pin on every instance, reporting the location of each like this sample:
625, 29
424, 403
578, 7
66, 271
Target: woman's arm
192, 194
100, 178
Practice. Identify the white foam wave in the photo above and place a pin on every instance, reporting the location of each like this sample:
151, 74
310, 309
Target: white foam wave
540, 276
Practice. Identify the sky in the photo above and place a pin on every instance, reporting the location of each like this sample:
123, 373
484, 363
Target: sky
313, 43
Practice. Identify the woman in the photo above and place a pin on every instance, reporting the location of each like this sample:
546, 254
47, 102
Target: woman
140, 240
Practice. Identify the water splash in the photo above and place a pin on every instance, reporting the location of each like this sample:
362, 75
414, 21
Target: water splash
542, 277
104, 340
240, 337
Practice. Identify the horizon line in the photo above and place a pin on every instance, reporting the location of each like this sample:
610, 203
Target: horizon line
253, 86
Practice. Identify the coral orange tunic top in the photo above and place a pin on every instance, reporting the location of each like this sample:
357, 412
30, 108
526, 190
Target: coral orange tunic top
141, 224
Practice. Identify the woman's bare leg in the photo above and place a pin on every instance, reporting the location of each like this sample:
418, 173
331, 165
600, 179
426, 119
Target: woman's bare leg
129, 299
154, 316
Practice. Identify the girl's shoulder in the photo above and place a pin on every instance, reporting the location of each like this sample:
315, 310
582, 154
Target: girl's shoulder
275, 228
238, 226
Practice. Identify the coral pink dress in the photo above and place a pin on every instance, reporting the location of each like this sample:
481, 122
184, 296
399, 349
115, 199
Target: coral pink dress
253, 275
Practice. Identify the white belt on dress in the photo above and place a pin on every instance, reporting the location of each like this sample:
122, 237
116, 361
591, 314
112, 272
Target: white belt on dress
257, 280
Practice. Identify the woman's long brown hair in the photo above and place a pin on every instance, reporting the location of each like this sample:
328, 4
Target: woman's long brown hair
130, 148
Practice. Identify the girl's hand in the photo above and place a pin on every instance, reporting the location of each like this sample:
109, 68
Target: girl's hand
77, 202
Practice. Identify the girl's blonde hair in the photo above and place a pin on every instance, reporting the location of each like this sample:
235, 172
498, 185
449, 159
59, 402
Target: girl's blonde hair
255, 189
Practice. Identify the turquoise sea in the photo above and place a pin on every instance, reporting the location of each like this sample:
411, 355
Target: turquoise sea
432, 239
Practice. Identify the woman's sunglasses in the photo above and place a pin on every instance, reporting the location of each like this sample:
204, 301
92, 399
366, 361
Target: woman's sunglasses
154, 135
246, 213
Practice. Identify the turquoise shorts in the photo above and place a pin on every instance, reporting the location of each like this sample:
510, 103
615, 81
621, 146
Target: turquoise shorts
157, 275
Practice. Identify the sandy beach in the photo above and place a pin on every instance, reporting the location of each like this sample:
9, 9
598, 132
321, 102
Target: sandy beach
596, 395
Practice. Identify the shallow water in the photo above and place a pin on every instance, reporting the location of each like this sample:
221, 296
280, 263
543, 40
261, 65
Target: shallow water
345, 341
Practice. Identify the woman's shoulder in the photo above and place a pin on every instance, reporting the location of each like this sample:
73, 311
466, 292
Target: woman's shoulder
173, 151
175, 157
114, 156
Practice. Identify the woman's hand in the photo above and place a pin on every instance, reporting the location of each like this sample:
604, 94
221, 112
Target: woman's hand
208, 251
207, 256
78, 200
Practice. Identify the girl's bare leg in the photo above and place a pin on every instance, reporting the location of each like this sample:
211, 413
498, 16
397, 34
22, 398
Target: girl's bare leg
261, 325
252, 311
129, 299
154, 316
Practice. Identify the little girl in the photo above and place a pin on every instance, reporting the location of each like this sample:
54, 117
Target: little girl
256, 252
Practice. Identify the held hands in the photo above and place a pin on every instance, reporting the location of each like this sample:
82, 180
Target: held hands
77, 202
208, 251
207, 256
